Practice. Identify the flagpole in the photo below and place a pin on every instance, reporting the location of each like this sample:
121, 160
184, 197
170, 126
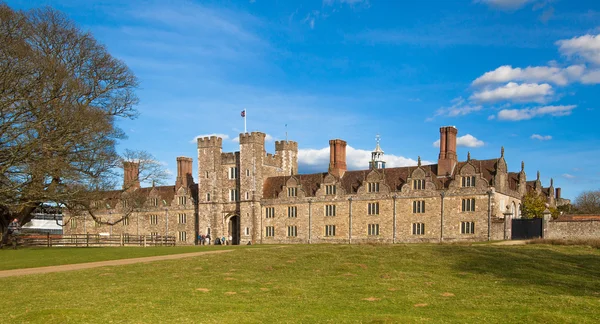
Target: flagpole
245, 112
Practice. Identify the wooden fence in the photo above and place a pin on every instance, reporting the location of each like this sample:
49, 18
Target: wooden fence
90, 240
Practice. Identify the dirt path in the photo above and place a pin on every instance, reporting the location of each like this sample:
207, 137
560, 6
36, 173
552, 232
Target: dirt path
512, 242
89, 265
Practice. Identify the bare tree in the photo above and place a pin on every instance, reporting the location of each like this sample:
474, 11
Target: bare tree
60, 95
588, 202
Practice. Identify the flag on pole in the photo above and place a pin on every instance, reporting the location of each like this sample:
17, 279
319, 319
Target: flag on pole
244, 113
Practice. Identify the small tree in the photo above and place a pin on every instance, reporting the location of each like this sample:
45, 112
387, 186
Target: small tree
588, 202
533, 205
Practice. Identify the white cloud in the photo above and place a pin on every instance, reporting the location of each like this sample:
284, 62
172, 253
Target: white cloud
459, 108
356, 159
591, 77
568, 176
506, 4
526, 92
465, 141
348, 2
541, 137
586, 47
223, 136
529, 113
552, 74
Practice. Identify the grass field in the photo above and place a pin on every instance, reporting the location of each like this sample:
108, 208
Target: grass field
324, 283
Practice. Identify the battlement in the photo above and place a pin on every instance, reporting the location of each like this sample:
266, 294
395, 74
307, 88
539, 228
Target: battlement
184, 158
286, 146
272, 160
254, 137
229, 158
212, 141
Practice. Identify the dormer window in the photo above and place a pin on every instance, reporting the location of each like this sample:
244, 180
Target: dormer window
468, 181
182, 200
330, 189
419, 184
373, 187
125, 203
154, 202
292, 192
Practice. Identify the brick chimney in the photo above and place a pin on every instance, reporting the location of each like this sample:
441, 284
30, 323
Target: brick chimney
131, 179
557, 193
184, 172
337, 157
447, 158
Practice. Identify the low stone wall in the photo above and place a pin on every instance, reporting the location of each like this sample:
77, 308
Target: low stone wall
575, 229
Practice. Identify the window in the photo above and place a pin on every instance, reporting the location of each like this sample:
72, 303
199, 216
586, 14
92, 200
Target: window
153, 219
419, 184
125, 238
292, 231
468, 204
247, 231
418, 229
373, 208
233, 195
182, 236
233, 172
247, 172
329, 210
247, 195
373, 187
330, 190
73, 223
329, 230
154, 202
468, 181
467, 227
373, 229
182, 200
270, 231
208, 197
206, 175
292, 192
418, 206
126, 221
98, 222
153, 233
292, 210
208, 230
270, 212
125, 203
182, 218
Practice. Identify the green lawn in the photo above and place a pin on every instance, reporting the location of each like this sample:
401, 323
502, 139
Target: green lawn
324, 283
41, 257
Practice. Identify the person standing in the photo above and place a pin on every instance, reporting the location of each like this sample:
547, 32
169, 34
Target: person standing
13, 231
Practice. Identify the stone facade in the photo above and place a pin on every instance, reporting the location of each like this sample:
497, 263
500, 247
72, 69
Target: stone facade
448, 201
254, 196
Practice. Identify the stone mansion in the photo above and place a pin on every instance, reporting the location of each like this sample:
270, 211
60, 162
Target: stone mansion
258, 197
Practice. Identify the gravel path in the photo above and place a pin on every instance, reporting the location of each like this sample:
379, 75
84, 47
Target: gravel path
89, 265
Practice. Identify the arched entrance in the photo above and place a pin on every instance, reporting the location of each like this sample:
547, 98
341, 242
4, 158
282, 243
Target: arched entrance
233, 229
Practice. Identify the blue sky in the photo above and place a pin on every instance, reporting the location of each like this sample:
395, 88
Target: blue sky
523, 74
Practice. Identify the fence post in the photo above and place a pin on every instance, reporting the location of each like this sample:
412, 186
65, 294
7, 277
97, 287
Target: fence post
121, 239
144, 240
87, 240
48, 239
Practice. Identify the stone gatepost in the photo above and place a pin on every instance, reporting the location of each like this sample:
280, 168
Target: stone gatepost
507, 225
547, 217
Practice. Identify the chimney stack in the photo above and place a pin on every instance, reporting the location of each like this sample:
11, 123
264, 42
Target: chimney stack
184, 172
557, 193
447, 159
131, 177
337, 157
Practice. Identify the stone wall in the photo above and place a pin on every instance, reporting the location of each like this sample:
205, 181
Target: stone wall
573, 229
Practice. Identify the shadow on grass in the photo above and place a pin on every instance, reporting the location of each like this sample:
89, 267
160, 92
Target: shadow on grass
565, 270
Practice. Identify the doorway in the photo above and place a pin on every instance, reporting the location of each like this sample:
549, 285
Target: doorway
233, 230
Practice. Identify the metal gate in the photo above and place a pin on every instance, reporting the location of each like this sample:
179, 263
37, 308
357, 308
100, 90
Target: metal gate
526, 228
